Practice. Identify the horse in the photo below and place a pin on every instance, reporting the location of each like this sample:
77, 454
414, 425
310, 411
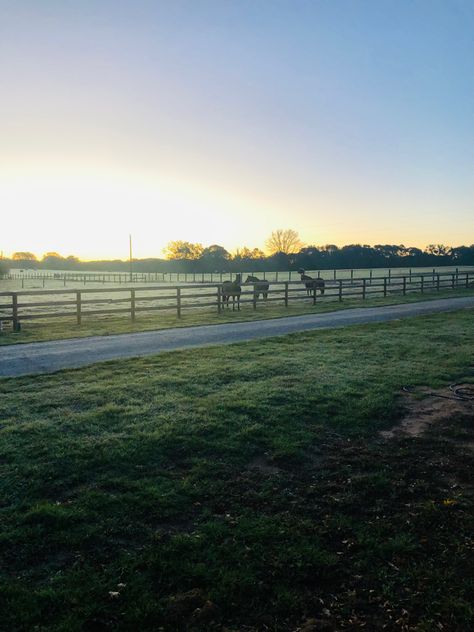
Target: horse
232, 288
260, 286
311, 284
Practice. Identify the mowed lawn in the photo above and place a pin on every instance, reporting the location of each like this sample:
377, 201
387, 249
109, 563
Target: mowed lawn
241, 488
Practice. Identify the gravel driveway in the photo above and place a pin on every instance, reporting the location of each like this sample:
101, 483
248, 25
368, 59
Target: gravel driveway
46, 357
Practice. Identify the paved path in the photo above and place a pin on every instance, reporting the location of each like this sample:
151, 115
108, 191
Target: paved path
46, 357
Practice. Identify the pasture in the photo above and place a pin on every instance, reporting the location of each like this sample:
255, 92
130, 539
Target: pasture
55, 279
242, 488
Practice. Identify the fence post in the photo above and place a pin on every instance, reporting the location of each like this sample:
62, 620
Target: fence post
178, 301
254, 301
334, 272
314, 294
385, 287
286, 293
352, 276
422, 283
467, 280
289, 279
132, 304
340, 290
363, 288
78, 307
219, 299
16, 321
277, 276
404, 285
452, 281
370, 273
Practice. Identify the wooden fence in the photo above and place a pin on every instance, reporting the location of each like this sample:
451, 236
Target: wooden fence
132, 301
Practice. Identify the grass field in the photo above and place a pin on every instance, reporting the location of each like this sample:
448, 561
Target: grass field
61, 328
28, 279
241, 488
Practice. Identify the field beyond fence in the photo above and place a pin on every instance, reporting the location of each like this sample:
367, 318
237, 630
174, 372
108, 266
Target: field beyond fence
29, 279
24, 305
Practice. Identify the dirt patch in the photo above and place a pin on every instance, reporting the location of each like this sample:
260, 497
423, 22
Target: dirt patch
433, 407
264, 465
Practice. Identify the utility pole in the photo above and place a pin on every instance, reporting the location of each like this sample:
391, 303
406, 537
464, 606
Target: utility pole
131, 260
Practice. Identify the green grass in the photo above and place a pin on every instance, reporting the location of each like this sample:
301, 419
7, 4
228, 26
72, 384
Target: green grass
244, 485
60, 328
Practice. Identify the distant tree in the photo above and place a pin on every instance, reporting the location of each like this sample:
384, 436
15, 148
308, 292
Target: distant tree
438, 250
215, 258
71, 262
24, 256
389, 251
413, 252
4, 267
329, 248
179, 250
52, 260
215, 252
463, 255
287, 241
247, 253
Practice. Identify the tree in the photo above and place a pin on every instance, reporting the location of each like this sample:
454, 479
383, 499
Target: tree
287, 241
438, 250
3, 267
246, 253
215, 252
52, 260
179, 250
24, 256
215, 258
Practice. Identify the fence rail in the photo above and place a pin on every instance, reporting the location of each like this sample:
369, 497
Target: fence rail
77, 304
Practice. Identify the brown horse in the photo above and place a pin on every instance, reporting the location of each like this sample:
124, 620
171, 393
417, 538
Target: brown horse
260, 286
311, 284
232, 289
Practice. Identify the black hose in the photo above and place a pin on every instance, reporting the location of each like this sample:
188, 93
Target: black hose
460, 393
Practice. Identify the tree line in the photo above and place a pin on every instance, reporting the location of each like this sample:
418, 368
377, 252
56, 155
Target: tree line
284, 249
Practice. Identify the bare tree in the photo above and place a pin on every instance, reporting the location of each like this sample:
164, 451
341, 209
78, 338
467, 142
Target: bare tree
287, 241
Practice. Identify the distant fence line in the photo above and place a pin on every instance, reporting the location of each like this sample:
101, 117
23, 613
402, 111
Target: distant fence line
123, 278
179, 298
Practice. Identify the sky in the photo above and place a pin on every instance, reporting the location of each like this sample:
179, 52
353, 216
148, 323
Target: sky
218, 121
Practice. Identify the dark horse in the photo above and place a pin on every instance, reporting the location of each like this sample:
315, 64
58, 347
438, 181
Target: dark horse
232, 289
260, 286
311, 284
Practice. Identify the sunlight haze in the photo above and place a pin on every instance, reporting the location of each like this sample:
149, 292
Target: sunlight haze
218, 122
